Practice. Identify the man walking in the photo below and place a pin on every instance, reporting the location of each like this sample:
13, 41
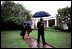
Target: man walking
40, 26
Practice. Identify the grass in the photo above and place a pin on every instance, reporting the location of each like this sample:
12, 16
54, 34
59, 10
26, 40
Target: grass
12, 39
56, 38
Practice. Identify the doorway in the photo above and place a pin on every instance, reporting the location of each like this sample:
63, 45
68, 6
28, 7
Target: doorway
51, 22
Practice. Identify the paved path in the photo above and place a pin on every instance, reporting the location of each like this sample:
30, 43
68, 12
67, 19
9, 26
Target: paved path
32, 43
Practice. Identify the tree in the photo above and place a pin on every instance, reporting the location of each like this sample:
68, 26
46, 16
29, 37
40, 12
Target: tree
12, 12
64, 14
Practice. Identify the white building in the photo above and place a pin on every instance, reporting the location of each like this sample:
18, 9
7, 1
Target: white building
48, 21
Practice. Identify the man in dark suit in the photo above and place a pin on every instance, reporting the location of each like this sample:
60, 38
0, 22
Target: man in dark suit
40, 26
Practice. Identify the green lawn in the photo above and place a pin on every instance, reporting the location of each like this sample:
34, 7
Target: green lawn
12, 39
56, 38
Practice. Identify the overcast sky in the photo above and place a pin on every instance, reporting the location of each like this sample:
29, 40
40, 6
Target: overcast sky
48, 6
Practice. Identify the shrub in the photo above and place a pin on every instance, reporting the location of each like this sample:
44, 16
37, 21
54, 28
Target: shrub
56, 27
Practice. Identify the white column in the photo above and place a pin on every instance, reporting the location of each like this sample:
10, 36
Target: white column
32, 24
55, 22
47, 23
36, 20
36, 23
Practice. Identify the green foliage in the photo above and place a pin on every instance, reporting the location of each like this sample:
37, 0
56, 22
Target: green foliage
64, 14
12, 12
56, 27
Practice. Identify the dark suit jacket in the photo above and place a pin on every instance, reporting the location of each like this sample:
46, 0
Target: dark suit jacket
40, 26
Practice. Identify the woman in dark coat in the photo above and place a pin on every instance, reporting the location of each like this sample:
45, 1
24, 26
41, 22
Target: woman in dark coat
23, 30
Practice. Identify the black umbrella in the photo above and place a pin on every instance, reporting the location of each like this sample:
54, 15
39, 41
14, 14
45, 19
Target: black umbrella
41, 14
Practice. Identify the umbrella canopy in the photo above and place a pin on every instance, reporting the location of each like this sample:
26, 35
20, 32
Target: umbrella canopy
27, 23
41, 14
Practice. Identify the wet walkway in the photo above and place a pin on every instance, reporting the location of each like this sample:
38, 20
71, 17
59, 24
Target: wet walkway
32, 43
